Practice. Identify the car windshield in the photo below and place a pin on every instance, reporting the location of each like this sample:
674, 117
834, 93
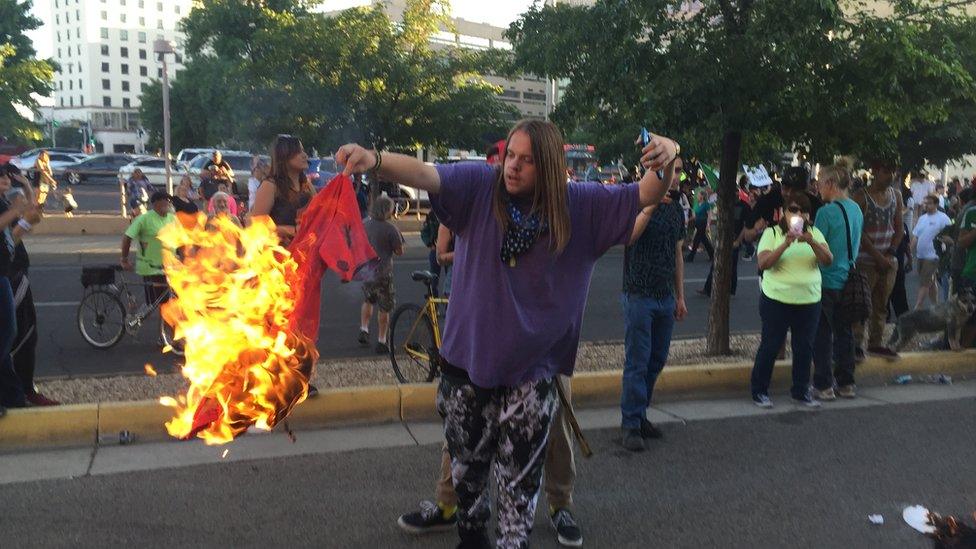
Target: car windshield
239, 163
154, 163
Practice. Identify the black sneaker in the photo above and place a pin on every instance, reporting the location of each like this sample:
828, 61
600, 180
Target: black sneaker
430, 518
363, 337
568, 532
858, 355
382, 349
648, 430
633, 440
313, 391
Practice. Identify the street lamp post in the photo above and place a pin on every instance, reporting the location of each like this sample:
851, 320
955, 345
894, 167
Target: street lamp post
163, 47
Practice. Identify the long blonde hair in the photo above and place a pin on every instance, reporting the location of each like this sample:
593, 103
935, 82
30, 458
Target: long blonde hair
550, 198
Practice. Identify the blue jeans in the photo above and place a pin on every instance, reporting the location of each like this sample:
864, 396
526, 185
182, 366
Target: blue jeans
11, 391
833, 350
647, 341
778, 318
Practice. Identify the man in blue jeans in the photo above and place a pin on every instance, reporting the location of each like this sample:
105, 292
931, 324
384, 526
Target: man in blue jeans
653, 298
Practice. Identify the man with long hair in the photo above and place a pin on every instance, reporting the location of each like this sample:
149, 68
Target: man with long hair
527, 242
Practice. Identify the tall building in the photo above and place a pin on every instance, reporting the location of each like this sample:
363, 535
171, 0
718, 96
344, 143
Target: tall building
105, 49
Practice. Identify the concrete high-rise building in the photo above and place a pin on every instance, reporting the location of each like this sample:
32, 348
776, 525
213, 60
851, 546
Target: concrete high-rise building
105, 49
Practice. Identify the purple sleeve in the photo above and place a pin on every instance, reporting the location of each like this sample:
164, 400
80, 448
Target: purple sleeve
611, 211
461, 184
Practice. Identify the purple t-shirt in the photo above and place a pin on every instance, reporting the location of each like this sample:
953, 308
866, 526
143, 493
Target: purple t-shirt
510, 325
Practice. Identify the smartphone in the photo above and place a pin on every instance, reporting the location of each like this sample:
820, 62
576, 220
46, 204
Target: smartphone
10, 195
645, 141
796, 225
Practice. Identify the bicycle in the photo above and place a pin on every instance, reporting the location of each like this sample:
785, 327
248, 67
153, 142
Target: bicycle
108, 310
415, 335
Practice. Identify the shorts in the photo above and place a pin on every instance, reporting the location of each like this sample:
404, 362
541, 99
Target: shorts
927, 268
380, 292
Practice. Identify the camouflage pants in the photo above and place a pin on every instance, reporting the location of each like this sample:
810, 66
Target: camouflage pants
507, 427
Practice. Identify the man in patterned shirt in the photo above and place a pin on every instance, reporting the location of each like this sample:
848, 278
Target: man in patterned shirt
653, 298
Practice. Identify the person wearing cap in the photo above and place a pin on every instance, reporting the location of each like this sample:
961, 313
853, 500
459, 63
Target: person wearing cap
149, 257
769, 207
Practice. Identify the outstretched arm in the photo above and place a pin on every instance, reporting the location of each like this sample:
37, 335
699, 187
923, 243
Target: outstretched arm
405, 170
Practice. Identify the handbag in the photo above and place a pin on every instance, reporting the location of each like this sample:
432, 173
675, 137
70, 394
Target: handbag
855, 298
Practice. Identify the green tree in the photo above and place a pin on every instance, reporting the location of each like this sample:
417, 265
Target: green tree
22, 76
356, 75
734, 78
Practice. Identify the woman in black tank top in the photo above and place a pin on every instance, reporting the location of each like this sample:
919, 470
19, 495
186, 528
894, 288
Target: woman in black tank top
287, 190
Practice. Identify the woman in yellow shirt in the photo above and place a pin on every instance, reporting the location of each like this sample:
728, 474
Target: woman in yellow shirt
790, 254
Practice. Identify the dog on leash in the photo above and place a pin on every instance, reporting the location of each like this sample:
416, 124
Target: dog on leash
949, 317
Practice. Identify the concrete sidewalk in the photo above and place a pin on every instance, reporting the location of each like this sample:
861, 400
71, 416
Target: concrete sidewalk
107, 457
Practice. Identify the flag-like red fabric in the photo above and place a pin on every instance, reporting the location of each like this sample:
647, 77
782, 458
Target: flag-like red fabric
330, 236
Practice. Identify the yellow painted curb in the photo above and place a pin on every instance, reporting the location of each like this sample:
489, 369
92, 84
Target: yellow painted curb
78, 424
417, 401
145, 419
69, 425
376, 404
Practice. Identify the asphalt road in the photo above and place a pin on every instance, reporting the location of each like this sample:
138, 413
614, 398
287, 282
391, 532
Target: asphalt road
796, 479
56, 270
98, 196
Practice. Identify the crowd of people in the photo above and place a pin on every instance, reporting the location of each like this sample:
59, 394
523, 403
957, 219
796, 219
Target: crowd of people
517, 243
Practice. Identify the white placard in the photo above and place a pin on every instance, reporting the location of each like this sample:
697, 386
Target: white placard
758, 176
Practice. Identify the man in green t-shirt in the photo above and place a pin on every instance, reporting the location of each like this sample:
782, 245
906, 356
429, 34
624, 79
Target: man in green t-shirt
149, 257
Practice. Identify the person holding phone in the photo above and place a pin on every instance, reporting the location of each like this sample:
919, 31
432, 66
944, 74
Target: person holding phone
790, 255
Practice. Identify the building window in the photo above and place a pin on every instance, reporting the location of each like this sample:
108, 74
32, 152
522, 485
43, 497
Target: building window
159, 6
104, 67
104, 49
142, 3
57, 34
142, 21
124, 51
125, 85
122, 2
142, 37
106, 101
59, 52
125, 102
177, 10
104, 33
142, 54
106, 84
79, 83
143, 71
70, 68
78, 33
125, 68
57, 19
104, 15
62, 101
71, 101
159, 25
60, 86
81, 100
179, 58
55, 4
78, 47
123, 34
159, 73
122, 17
71, 84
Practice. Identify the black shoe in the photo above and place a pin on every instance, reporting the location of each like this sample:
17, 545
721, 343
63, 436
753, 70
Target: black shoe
430, 518
648, 430
382, 349
363, 337
313, 391
858, 355
568, 532
476, 540
633, 440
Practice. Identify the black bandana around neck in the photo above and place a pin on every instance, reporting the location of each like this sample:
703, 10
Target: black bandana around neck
522, 232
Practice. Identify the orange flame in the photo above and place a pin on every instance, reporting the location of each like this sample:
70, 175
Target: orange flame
235, 290
150, 371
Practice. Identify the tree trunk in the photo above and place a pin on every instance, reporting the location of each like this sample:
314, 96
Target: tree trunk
718, 314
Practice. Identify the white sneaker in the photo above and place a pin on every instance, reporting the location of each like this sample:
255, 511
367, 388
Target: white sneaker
827, 394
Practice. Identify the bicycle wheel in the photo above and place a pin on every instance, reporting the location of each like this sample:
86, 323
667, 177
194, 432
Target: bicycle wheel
412, 345
166, 333
400, 207
101, 319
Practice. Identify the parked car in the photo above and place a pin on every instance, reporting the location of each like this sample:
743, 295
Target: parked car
239, 162
187, 155
58, 160
154, 168
93, 167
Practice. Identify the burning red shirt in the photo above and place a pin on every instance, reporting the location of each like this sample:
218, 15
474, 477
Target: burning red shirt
330, 236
